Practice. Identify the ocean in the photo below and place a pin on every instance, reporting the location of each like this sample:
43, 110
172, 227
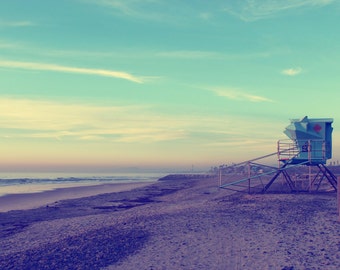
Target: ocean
19, 183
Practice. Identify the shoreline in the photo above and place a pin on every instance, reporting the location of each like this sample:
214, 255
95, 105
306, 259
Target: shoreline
32, 200
26, 201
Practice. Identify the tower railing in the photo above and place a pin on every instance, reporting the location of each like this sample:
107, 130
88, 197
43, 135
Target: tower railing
287, 149
302, 150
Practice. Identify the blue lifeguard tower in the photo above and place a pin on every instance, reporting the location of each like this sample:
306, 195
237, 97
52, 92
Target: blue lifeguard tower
310, 145
302, 161
311, 139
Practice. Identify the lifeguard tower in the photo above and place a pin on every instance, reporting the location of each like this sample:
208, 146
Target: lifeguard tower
310, 144
302, 160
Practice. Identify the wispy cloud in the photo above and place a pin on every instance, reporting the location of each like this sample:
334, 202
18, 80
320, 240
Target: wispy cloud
188, 54
59, 68
44, 119
213, 55
141, 9
249, 10
205, 16
172, 12
146, 54
16, 23
28, 118
112, 128
8, 45
292, 71
236, 94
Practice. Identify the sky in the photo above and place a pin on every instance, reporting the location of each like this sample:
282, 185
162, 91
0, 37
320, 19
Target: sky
158, 84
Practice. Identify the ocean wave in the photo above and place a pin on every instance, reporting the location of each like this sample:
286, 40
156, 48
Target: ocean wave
69, 180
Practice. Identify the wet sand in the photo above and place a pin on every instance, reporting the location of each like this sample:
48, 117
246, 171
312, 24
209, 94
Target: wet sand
38, 199
178, 223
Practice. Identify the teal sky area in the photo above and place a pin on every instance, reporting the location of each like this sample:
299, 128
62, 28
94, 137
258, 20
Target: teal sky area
106, 84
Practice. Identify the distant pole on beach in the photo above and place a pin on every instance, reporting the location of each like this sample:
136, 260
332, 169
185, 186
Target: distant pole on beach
220, 177
249, 174
338, 195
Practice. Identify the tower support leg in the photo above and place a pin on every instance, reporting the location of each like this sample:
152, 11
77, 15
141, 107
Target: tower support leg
285, 174
332, 179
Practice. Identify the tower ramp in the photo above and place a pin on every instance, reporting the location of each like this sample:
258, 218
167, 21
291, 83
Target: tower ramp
251, 177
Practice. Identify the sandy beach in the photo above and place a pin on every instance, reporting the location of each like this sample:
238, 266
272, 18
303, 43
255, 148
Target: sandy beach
176, 223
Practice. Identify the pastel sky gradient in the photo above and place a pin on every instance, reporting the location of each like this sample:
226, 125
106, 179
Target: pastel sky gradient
106, 84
